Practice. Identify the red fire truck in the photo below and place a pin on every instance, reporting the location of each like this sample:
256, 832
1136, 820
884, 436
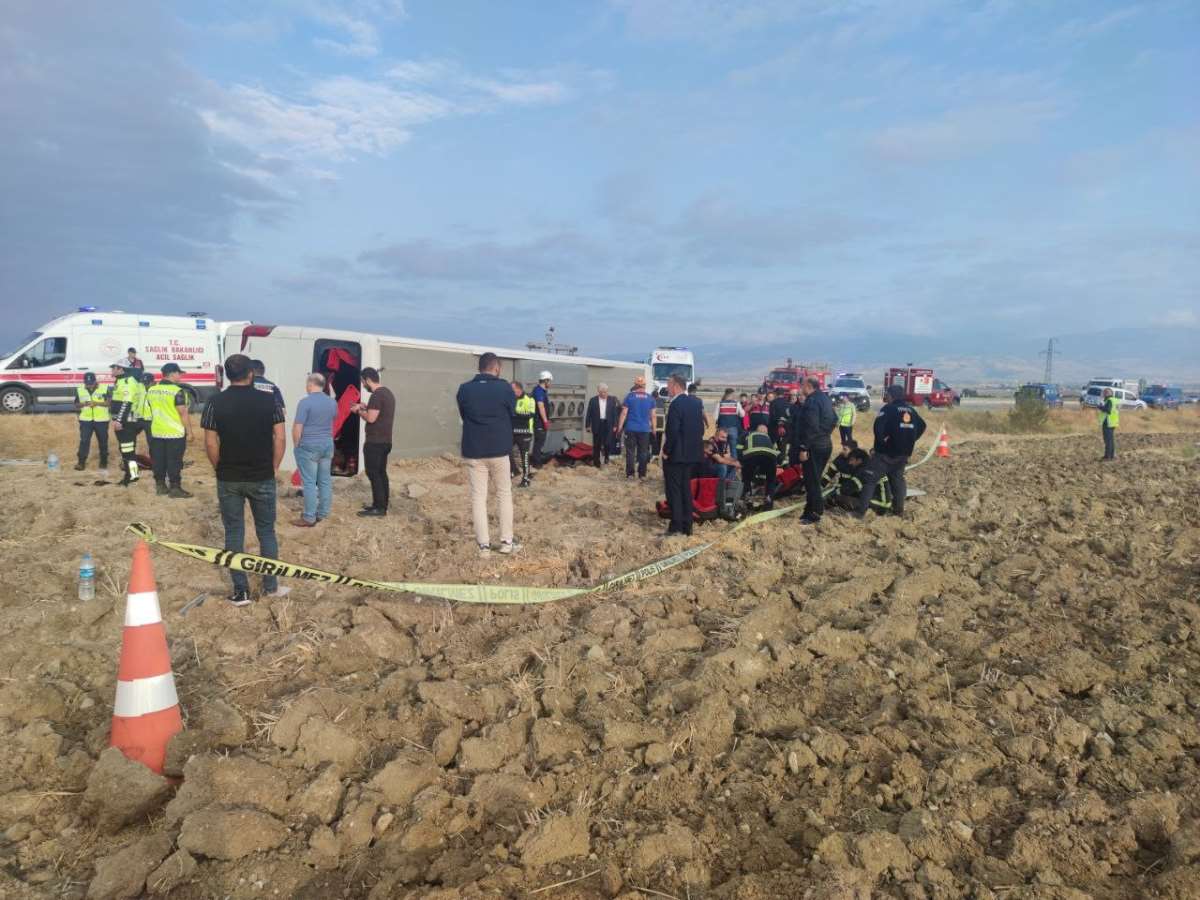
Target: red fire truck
787, 378
921, 387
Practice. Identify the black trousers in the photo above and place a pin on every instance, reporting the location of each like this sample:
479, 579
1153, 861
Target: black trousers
818, 458
86, 430
600, 443
167, 455
539, 447
846, 432
637, 446
677, 478
883, 466
519, 460
127, 441
1110, 441
759, 465
375, 461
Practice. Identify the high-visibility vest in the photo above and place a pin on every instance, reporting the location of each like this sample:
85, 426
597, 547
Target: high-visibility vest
526, 410
1110, 414
758, 443
93, 413
126, 389
166, 421
142, 408
846, 415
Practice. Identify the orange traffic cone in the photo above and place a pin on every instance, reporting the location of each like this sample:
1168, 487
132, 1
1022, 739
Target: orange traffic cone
943, 446
146, 711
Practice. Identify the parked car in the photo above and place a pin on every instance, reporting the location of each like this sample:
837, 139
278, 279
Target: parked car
1095, 397
1046, 393
1161, 396
852, 386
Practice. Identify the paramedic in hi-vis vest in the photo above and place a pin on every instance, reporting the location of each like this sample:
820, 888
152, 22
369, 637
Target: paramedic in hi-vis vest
846, 416
91, 399
1110, 418
127, 395
170, 427
522, 434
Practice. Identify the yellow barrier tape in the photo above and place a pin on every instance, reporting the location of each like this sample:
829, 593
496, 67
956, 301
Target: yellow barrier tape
462, 593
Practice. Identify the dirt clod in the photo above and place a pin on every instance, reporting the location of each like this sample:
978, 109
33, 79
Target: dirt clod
121, 791
230, 833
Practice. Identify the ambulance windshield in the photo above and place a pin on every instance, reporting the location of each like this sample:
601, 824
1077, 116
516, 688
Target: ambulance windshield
25, 342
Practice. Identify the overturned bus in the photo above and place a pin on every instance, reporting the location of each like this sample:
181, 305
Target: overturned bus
424, 376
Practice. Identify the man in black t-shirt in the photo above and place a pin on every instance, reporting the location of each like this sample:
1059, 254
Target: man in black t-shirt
379, 415
244, 439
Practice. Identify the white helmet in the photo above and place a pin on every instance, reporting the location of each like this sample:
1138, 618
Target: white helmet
545, 376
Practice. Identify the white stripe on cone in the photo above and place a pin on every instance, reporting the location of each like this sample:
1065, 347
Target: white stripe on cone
142, 609
145, 695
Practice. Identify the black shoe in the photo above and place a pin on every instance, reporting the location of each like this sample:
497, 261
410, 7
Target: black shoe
161, 488
371, 512
79, 467
525, 482
240, 598
179, 493
809, 520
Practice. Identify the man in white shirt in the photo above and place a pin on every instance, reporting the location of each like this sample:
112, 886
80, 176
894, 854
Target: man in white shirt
602, 413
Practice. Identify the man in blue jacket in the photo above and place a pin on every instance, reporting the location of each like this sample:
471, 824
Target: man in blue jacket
898, 427
488, 406
682, 452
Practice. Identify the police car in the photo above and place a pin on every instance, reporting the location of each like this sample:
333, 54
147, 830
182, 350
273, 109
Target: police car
853, 386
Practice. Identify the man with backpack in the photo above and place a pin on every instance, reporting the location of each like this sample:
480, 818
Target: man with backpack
811, 443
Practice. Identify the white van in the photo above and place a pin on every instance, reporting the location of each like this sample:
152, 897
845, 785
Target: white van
49, 364
1094, 397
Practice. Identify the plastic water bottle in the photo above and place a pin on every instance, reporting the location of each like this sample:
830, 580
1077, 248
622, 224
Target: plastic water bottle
52, 461
87, 577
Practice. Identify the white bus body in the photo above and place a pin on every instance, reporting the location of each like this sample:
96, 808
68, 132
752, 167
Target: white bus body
424, 377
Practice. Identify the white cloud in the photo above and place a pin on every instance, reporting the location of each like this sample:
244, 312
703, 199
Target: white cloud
1178, 318
336, 118
1078, 30
962, 132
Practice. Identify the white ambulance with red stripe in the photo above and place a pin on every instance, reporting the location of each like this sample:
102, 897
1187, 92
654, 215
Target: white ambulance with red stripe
48, 365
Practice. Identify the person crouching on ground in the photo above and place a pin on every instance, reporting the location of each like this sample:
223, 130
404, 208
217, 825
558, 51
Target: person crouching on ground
244, 440
379, 414
487, 407
312, 438
522, 429
760, 458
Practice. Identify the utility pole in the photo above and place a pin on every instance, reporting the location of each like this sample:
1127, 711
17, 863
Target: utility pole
1049, 354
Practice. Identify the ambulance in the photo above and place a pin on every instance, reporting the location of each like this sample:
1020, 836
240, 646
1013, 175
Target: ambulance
49, 364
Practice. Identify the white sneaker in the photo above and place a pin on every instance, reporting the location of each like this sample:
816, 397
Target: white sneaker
507, 547
279, 593
485, 550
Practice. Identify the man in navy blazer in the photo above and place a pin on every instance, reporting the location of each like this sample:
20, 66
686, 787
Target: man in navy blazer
682, 452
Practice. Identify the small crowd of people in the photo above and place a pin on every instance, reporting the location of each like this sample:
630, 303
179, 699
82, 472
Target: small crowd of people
504, 432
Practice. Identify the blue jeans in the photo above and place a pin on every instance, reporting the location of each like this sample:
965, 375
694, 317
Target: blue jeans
315, 465
232, 497
731, 432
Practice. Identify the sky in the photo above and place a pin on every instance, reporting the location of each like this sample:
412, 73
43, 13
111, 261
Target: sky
874, 179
